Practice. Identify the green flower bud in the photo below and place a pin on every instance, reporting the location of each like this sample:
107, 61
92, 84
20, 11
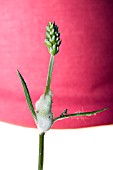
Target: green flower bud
52, 40
54, 48
48, 35
48, 29
48, 43
52, 32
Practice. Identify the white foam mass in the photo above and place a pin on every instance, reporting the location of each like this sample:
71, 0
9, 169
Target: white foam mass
43, 111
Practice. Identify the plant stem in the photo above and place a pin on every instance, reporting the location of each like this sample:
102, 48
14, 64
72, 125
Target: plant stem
41, 151
49, 76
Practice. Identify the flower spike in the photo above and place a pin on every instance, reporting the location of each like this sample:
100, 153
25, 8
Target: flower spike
52, 40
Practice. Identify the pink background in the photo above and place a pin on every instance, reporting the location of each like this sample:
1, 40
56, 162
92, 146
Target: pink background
82, 76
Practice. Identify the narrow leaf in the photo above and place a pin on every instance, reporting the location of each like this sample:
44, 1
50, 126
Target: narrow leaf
27, 95
62, 116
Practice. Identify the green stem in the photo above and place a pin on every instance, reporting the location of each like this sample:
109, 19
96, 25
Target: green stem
41, 151
49, 76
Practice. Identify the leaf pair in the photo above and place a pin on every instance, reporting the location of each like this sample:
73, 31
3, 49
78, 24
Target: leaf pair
62, 116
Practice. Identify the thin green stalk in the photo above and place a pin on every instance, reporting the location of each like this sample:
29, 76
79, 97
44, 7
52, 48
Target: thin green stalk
49, 76
41, 151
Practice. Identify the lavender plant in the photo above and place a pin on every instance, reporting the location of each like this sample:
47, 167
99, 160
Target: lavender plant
43, 116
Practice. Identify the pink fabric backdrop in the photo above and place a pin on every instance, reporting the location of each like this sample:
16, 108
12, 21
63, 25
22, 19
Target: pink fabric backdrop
82, 76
